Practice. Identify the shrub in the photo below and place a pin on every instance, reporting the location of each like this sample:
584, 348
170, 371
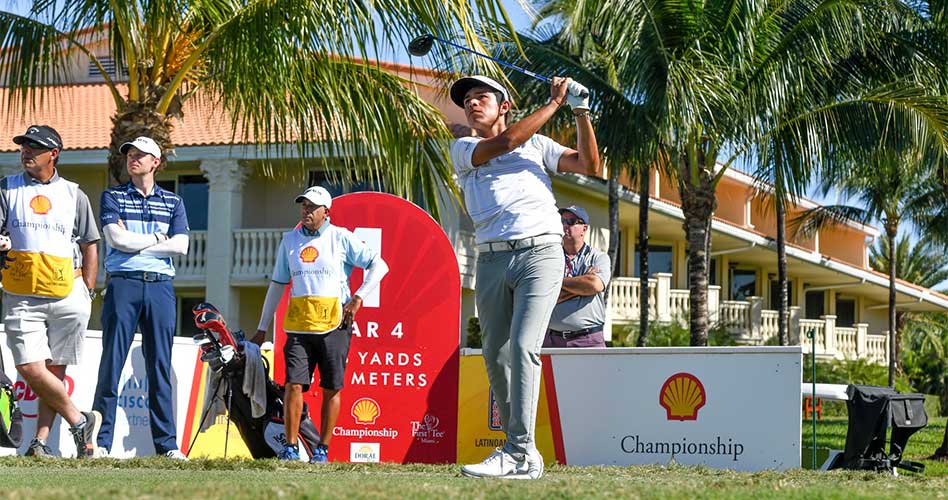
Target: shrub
473, 333
666, 335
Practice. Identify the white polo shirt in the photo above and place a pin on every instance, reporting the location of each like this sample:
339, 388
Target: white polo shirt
510, 197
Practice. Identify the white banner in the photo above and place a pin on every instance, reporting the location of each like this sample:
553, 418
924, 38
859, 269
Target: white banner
132, 431
734, 408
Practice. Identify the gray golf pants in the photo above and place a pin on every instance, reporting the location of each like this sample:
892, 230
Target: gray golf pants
516, 291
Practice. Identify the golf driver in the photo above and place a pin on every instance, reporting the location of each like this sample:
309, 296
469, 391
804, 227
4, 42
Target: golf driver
421, 45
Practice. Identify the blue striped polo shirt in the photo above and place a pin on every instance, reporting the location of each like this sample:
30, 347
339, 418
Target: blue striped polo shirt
160, 212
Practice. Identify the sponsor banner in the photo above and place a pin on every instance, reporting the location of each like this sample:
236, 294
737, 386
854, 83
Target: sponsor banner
479, 427
401, 381
132, 431
733, 408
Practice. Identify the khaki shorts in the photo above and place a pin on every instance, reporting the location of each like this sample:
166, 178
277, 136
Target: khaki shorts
41, 329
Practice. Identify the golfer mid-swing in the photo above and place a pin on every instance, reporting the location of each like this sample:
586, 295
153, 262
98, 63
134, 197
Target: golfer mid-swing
503, 172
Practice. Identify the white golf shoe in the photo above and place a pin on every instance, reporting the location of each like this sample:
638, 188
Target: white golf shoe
503, 465
534, 464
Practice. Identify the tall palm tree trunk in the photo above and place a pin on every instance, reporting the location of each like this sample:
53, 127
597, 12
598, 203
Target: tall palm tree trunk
698, 203
891, 229
613, 224
783, 326
644, 181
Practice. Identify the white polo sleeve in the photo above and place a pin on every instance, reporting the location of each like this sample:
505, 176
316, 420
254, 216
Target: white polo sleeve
462, 150
550, 149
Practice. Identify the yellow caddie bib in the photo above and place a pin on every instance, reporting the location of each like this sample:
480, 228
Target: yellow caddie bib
316, 282
38, 274
40, 220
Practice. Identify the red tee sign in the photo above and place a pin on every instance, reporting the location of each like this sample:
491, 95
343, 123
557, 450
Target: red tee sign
400, 399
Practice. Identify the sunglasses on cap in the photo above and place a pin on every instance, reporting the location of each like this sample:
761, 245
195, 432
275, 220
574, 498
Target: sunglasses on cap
572, 222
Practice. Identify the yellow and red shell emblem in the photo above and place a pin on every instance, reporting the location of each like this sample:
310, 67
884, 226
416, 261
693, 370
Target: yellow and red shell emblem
41, 205
682, 395
365, 411
309, 254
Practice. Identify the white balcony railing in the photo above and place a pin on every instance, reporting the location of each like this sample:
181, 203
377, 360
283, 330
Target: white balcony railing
193, 265
746, 320
255, 252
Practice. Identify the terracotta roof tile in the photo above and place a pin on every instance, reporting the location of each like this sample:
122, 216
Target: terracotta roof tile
82, 114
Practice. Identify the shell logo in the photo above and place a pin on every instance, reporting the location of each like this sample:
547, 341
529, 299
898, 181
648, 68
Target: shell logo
41, 205
682, 395
365, 411
309, 254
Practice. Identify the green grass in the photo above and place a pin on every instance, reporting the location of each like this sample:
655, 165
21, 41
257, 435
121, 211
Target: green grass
236, 479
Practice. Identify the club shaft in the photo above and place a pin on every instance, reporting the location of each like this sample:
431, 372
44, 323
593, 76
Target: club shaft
498, 61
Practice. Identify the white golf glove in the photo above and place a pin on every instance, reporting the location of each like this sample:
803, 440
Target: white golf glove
577, 96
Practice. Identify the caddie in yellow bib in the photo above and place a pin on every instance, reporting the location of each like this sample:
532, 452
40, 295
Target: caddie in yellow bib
40, 223
317, 281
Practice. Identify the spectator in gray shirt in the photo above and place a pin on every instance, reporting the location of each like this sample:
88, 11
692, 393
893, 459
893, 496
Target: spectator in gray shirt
580, 310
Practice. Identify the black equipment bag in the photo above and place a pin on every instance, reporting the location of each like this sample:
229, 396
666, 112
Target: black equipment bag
265, 436
871, 411
11, 418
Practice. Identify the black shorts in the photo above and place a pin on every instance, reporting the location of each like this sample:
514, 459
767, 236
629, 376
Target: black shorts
303, 352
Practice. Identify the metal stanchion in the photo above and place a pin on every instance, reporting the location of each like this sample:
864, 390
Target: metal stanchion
811, 334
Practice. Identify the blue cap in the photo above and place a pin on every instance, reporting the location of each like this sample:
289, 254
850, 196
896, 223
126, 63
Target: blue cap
577, 211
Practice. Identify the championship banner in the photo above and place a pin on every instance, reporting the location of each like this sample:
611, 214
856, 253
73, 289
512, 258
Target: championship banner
723, 407
399, 403
132, 431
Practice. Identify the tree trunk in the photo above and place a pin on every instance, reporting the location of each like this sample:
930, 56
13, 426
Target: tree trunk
698, 203
137, 119
613, 225
783, 325
644, 181
891, 230
942, 452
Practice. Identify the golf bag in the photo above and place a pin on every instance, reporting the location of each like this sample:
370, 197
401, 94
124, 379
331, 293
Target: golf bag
11, 419
224, 352
871, 410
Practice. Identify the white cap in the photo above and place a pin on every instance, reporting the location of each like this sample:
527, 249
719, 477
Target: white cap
316, 194
143, 144
460, 87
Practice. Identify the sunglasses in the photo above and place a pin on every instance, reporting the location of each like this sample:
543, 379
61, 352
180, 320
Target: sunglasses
35, 146
572, 222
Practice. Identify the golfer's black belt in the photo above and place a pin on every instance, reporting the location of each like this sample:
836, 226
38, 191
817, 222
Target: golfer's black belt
576, 333
141, 275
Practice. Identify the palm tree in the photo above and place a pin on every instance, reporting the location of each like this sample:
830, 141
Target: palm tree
921, 263
715, 79
884, 181
781, 176
285, 72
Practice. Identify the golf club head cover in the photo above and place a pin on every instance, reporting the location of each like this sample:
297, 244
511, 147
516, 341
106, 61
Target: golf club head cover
204, 306
577, 96
5, 245
214, 323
